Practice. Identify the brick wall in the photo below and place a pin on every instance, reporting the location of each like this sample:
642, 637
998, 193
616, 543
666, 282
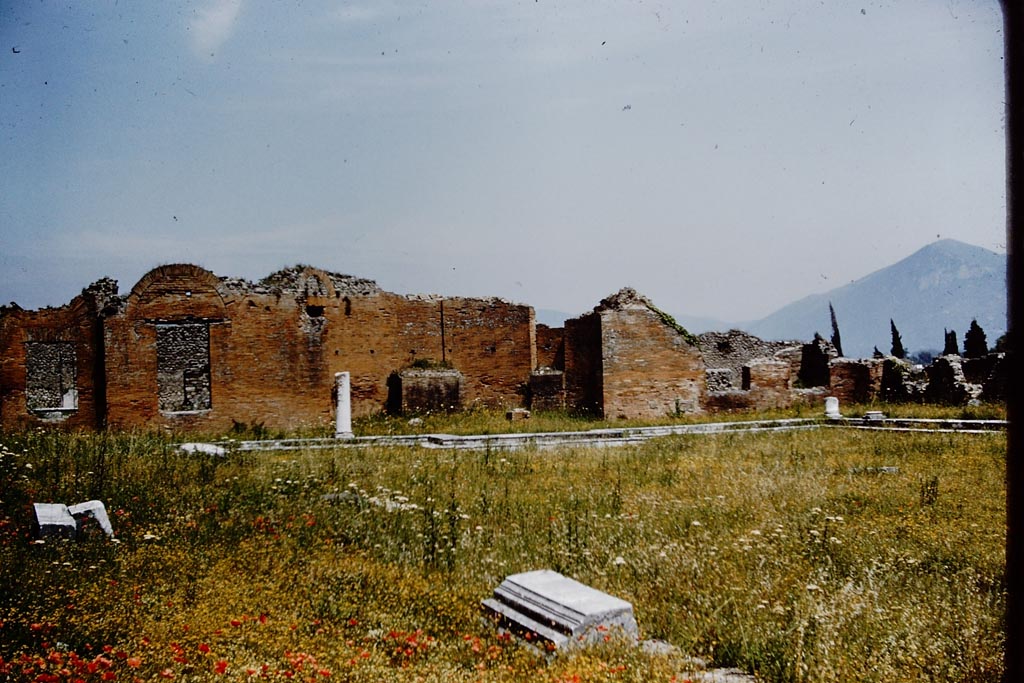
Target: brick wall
64, 369
550, 347
734, 349
769, 383
855, 381
650, 368
188, 350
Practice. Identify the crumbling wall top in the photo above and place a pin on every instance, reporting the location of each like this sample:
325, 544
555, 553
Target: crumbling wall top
625, 298
734, 348
628, 298
102, 294
105, 297
295, 280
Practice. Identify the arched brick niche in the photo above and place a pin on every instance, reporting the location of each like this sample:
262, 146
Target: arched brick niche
175, 292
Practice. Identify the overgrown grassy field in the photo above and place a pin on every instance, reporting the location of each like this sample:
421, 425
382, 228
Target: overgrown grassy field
786, 554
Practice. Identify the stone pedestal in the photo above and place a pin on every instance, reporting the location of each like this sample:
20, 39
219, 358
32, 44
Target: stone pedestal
547, 607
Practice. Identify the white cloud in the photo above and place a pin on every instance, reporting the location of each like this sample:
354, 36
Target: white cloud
213, 25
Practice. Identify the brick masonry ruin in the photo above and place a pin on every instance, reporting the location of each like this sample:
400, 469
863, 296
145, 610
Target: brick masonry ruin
187, 350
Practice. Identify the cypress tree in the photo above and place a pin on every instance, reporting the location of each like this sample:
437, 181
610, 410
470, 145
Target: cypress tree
897, 341
975, 344
836, 341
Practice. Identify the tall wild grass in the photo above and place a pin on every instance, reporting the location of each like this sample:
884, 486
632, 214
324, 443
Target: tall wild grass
795, 556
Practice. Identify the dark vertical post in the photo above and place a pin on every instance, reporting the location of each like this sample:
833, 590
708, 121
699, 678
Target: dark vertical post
1013, 34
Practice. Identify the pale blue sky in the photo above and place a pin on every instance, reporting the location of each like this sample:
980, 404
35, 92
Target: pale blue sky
724, 158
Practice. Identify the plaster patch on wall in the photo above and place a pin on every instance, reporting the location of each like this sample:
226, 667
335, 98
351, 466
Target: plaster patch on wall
183, 366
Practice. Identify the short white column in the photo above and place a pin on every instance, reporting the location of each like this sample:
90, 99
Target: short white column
343, 417
832, 408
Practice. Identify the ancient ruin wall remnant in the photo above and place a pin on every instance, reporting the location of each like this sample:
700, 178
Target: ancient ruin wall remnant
648, 366
183, 366
726, 353
51, 366
188, 350
855, 381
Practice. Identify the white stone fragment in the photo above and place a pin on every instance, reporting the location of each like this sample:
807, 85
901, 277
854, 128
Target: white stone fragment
57, 519
548, 607
208, 448
96, 510
54, 519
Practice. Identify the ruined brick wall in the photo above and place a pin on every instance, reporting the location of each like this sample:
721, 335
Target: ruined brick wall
731, 351
729, 401
902, 382
947, 383
650, 369
191, 351
50, 370
550, 347
188, 350
166, 298
493, 344
584, 388
855, 381
768, 382
994, 382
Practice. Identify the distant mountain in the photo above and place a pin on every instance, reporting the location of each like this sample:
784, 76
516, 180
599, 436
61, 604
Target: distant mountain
943, 285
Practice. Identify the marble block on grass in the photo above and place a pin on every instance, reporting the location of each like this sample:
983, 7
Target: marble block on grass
546, 606
64, 521
54, 519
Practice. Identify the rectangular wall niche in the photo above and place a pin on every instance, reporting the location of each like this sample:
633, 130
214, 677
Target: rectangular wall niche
183, 366
51, 369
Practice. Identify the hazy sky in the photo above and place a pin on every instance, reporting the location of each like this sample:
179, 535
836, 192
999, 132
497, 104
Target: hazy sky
724, 158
